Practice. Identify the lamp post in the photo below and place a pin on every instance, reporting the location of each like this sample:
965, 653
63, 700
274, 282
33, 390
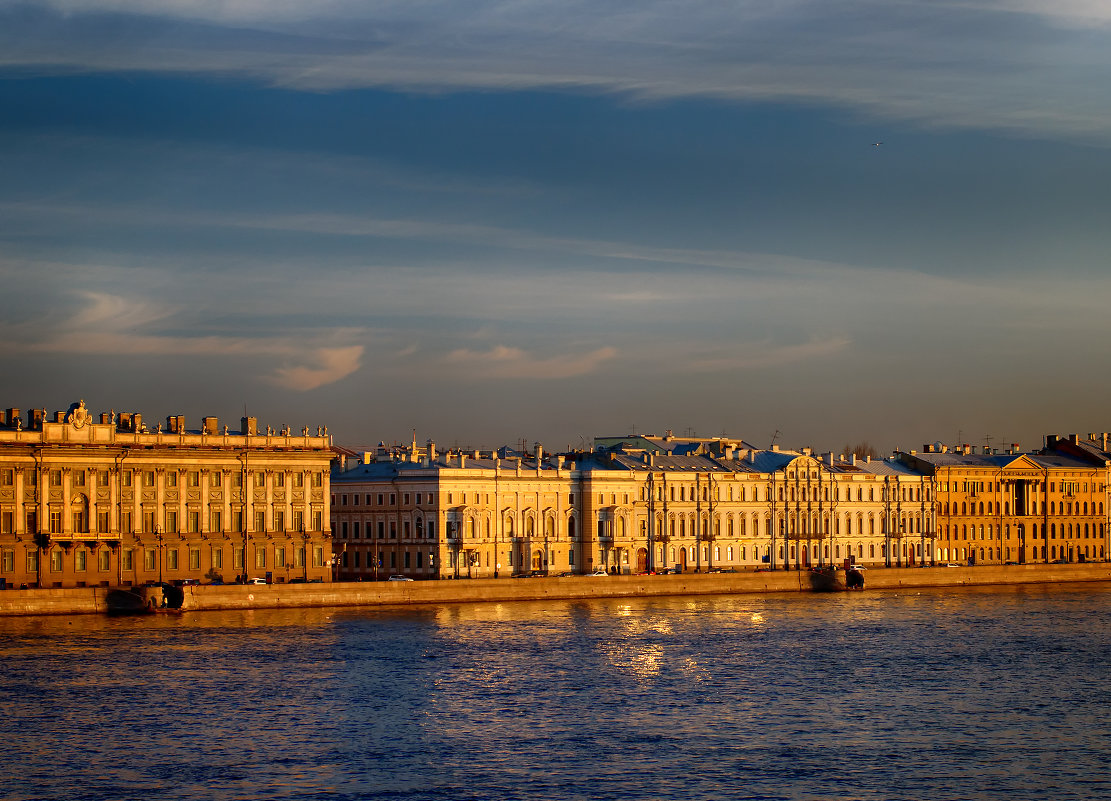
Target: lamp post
158, 538
305, 537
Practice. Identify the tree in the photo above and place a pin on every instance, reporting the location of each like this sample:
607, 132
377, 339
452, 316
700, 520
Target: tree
862, 450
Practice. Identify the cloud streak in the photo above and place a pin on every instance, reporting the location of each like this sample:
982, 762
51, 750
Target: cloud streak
1017, 65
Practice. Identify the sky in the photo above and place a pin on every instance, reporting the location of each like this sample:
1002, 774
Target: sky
810, 221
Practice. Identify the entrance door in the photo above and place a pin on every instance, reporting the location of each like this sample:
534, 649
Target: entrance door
642, 560
537, 560
682, 560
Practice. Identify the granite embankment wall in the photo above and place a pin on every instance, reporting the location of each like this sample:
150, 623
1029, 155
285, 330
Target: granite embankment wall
92, 600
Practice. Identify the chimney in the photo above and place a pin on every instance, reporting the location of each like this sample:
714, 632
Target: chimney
852, 459
431, 450
1103, 441
775, 449
539, 454
807, 451
13, 418
1074, 439
368, 457
211, 424
175, 424
248, 426
137, 422
462, 460
59, 417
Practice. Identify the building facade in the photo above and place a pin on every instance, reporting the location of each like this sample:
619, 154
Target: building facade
108, 502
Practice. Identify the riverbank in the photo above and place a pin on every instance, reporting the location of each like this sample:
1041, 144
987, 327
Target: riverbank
91, 600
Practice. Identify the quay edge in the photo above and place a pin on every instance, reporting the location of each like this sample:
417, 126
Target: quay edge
91, 600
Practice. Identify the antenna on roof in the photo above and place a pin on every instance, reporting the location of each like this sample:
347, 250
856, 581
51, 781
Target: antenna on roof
775, 436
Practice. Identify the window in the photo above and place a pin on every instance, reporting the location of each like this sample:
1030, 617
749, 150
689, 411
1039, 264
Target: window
102, 522
279, 520
194, 521
171, 520
215, 520
260, 521
148, 560
104, 560
299, 557
7, 477
7, 521
318, 480
129, 559
215, 479
237, 480
56, 561
381, 530
7, 561
217, 558
78, 478
194, 558
237, 520
148, 520
193, 478
55, 522
102, 478
55, 478
148, 478
279, 557
171, 558
237, 558
171, 478
299, 521
260, 557
32, 561
260, 479
298, 480
318, 556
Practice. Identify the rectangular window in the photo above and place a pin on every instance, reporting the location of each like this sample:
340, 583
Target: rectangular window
148, 478
78, 478
148, 521
7, 477
237, 480
379, 499
216, 479
317, 520
102, 478
260, 521
215, 520
56, 561
171, 520
299, 557
318, 480
194, 558
406, 559
406, 498
194, 521
102, 522
279, 520
217, 556
149, 560
298, 480
393, 530
32, 561
260, 557
125, 522
193, 478
279, 479
7, 561
128, 559
55, 522
171, 478
299, 520
171, 558
125, 478
237, 559
55, 478
318, 556
7, 521
104, 560
260, 479
279, 557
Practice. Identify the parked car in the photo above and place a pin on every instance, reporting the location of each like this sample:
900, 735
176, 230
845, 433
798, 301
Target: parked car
599, 571
399, 578
256, 580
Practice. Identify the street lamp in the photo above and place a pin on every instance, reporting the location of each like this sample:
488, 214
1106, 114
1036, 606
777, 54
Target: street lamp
158, 537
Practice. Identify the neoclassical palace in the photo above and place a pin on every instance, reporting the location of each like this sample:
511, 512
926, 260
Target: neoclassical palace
106, 501
644, 503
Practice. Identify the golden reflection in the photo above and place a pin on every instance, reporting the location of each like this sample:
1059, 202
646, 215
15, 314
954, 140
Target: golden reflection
757, 619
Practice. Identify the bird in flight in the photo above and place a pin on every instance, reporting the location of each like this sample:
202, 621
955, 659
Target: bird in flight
876, 144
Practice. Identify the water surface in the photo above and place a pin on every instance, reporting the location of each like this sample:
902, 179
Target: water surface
946, 694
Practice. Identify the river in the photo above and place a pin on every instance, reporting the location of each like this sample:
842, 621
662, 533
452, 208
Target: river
933, 694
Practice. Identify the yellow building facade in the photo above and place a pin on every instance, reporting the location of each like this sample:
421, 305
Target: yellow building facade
108, 502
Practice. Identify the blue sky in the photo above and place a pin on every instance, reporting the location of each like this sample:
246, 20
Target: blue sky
499, 220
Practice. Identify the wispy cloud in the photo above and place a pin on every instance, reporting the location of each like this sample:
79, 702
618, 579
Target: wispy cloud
1011, 64
120, 326
504, 361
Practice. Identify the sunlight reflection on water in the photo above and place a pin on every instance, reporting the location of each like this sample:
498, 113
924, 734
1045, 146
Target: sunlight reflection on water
951, 694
